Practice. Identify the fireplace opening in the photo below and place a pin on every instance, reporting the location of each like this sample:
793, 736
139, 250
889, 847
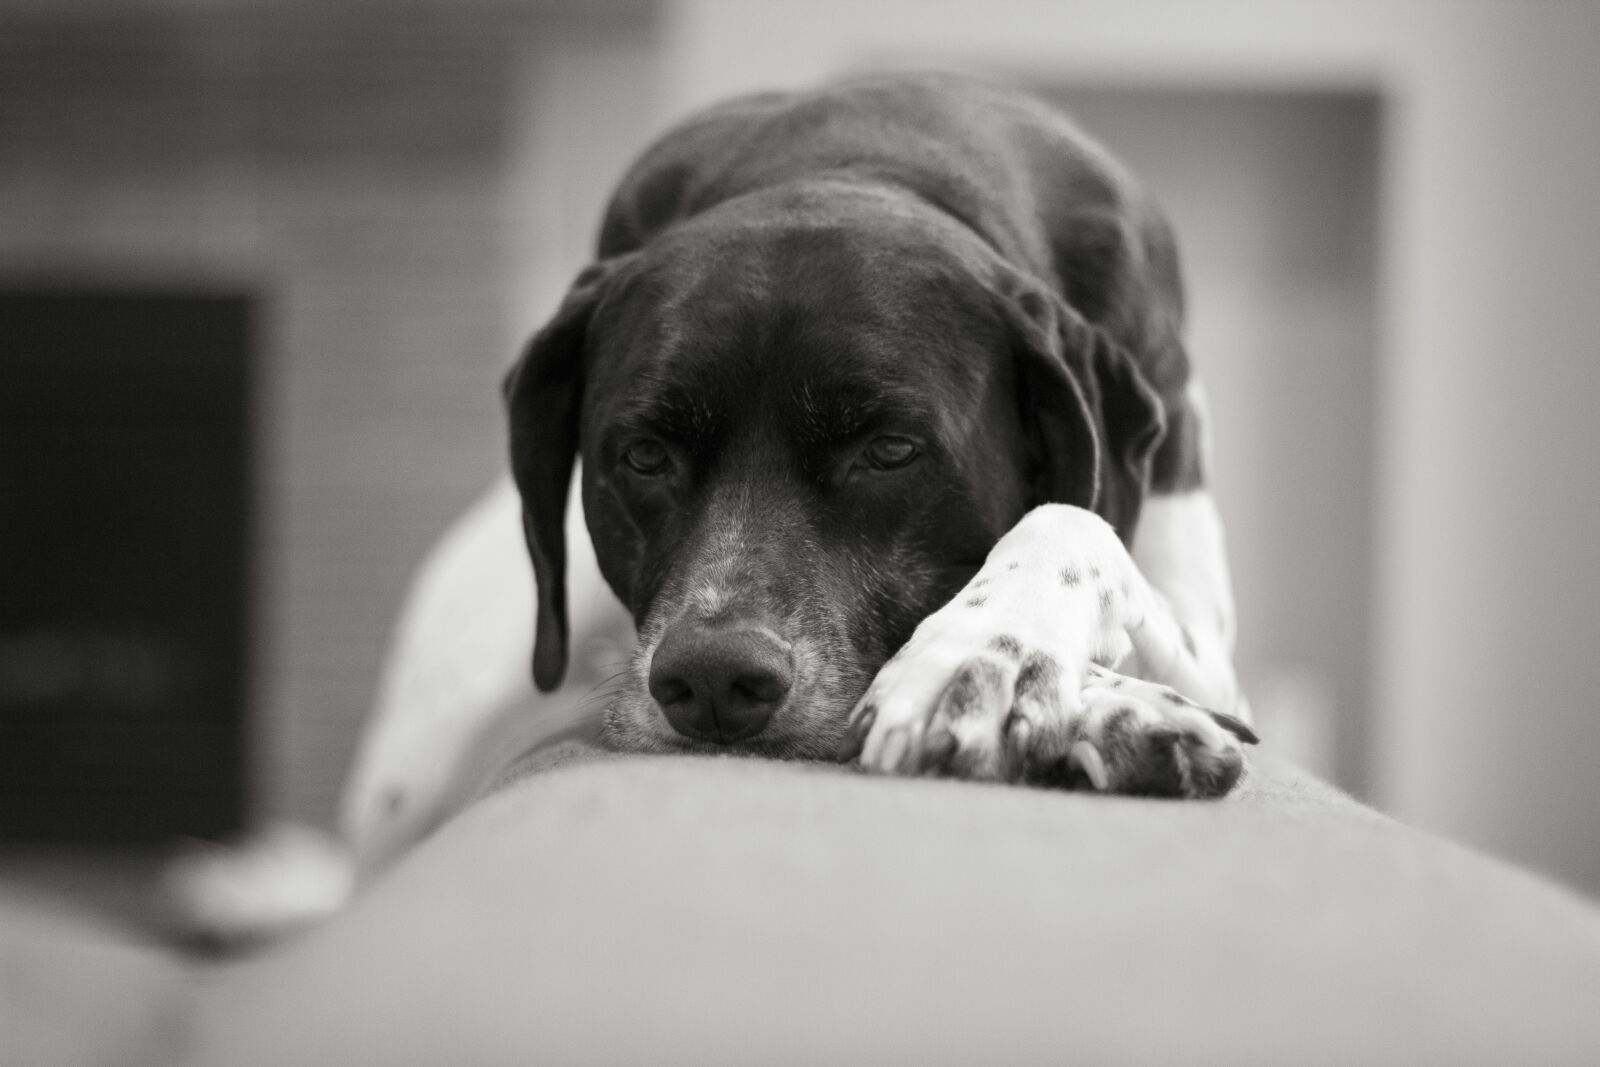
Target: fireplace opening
125, 492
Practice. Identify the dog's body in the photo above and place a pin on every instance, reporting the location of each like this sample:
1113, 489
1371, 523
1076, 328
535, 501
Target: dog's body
835, 346
890, 369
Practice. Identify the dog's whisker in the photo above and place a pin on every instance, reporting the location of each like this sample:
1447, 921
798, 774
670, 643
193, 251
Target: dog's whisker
597, 699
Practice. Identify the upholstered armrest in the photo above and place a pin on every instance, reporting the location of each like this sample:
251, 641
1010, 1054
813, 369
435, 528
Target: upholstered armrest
656, 910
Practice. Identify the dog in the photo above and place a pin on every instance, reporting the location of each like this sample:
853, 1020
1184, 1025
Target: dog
892, 450
891, 447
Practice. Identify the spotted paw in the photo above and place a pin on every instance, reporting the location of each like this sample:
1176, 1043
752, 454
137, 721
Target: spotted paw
1134, 737
1004, 715
1008, 681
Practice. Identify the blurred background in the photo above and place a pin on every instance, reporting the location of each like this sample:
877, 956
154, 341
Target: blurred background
263, 263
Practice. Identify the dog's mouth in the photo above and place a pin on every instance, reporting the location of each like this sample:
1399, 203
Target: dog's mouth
721, 698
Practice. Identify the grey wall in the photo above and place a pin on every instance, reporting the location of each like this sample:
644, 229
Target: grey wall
1492, 567
365, 173
1274, 197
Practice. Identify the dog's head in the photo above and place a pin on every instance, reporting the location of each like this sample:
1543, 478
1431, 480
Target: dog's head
803, 426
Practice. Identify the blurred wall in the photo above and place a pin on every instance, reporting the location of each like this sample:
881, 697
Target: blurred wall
1273, 195
1484, 613
362, 172
1490, 507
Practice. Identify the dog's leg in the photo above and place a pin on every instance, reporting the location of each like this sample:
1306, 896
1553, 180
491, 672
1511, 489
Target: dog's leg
454, 694
1010, 680
456, 655
1179, 549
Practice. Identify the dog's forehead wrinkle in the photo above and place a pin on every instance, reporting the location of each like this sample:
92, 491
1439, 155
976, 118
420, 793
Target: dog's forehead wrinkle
669, 405
825, 410
824, 207
824, 368
876, 270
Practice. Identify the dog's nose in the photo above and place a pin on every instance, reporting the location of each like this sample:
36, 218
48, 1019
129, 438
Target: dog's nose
720, 683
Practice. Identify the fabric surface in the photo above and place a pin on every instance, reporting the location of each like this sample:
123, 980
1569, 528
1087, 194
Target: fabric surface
702, 911
76, 992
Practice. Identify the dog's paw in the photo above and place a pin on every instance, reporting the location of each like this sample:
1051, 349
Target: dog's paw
1006, 717
1131, 736
1007, 681
266, 885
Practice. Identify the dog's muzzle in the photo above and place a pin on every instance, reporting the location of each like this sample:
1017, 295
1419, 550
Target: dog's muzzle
720, 683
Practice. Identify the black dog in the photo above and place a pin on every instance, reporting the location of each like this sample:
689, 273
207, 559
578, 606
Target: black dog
835, 347
892, 365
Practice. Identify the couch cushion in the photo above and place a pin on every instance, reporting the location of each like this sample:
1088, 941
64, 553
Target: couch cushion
698, 911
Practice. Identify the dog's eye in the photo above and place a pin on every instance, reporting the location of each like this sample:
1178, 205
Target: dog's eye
646, 457
890, 453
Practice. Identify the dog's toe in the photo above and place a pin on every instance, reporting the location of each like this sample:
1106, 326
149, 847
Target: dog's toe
1135, 737
965, 734
934, 710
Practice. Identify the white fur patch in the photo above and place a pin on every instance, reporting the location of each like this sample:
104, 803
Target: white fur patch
279, 879
1062, 588
1180, 549
458, 658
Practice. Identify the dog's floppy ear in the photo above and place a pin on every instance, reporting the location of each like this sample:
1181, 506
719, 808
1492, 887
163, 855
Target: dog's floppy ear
1093, 421
543, 394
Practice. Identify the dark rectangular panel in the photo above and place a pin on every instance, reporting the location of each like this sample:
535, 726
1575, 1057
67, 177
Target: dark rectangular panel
124, 497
